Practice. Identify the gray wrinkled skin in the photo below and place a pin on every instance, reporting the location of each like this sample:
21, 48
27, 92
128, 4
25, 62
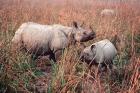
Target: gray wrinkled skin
48, 39
102, 53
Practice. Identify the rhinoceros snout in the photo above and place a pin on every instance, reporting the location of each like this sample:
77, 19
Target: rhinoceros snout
83, 56
92, 35
88, 37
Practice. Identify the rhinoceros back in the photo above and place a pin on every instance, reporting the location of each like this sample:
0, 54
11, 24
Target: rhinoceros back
105, 51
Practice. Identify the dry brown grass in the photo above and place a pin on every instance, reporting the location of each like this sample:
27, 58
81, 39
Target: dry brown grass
69, 75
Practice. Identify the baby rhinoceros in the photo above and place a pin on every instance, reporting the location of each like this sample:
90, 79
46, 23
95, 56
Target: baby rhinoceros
41, 40
100, 53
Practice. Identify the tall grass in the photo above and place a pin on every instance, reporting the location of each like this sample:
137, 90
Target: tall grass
19, 73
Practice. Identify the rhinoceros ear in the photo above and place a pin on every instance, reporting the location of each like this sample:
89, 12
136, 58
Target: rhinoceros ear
92, 47
75, 24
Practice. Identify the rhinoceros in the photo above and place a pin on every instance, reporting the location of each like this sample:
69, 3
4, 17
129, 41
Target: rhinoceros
108, 12
41, 40
100, 53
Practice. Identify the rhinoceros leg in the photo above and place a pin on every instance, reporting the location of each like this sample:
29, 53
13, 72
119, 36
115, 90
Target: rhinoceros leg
102, 67
52, 57
34, 57
58, 54
110, 65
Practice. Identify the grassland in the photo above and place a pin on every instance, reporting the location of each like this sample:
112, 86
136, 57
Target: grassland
18, 73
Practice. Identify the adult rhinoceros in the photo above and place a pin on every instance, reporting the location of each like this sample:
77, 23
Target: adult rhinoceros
108, 12
41, 40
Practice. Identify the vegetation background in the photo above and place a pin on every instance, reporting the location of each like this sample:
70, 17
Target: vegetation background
19, 74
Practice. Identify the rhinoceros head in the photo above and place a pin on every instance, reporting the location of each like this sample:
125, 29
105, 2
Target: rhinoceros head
88, 54
82, 35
